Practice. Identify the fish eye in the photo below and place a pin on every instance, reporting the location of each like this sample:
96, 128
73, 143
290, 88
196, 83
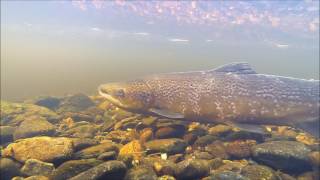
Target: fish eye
120, 93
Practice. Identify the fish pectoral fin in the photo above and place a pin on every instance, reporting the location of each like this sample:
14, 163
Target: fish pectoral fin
237, 68
249, 127
167, 113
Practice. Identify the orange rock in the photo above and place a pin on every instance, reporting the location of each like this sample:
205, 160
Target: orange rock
133, 149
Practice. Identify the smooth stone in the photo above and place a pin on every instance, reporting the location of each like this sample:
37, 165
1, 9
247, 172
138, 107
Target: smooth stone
12, 114
192, 169
164, 167
166, 177
95, 151
84, 131
240, 149
111, 155
169, 146
202, 155
226, 175
35, 167
37, 178
34, 126
81, 143
205, 140
277, 154
220, 130
141, 173
73, 167
6, 134
48, 102
9, 168
257, 172
47, 149
315, 158
217, 150
75, 103
107, 170
244, 135
170, 132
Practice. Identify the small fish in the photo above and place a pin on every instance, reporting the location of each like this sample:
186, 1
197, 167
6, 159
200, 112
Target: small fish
232, 94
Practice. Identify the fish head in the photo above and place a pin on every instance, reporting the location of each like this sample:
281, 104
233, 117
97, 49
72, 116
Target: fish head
132, 95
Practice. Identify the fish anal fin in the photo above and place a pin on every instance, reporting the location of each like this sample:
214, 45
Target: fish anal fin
311, 127
236, 68
254, 128
167, 113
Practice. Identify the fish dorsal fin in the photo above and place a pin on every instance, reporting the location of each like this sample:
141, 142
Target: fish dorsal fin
237, 68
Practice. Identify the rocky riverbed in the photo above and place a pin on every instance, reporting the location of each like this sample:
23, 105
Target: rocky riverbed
80, 137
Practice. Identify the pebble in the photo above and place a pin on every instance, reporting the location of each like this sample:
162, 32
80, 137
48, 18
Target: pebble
47, 149
192, 169
141, 173
35, 167
108, 170
169, 146
277, 154
95, 151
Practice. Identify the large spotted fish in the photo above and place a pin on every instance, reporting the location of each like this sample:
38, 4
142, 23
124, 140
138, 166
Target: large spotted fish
232, 94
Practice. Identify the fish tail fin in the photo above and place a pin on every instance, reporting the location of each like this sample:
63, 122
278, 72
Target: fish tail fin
311, 127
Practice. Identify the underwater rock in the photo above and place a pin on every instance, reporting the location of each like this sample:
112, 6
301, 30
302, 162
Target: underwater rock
107, 170
12, 114
9, 168
240, 149
34, 126
95, 151
146, 134
166, 177
47, 149
36, 178
169, 146
205, 140
82, 131
245, 135
315, 158
35, 167
133, 150
140, 173
258, 172
110, 155
192, 169
202, 155
73, 167
164, 167
119, 136
6, 134
225, 175
217, 150
234, 166
81, 143
220, 130
215, 163
278, 154
48, 102
75, 103
308, 176
170, 132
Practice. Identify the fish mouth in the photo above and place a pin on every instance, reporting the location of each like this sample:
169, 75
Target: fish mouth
109, 97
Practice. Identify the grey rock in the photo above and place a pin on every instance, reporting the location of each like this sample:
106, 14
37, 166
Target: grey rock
284, 155
9, 168
256, 172
95, 151
107, 170
81, 143
6, 134
226, 175
111, 155
170, 146
192, 169
71, 168
35, 167
34, 126
141, 173
48, 102
75, 103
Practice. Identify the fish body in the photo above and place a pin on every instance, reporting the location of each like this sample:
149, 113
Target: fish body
232, 93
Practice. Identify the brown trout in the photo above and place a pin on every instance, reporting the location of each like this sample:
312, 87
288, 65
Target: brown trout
232, 94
